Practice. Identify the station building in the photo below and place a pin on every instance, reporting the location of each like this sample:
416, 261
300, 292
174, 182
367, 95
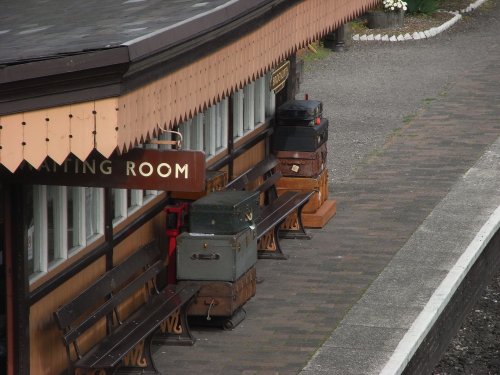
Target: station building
82, 85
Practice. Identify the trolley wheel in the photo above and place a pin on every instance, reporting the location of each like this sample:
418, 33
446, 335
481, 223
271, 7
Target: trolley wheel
238, 316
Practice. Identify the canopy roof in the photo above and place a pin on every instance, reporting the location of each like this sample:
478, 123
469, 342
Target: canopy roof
85, 75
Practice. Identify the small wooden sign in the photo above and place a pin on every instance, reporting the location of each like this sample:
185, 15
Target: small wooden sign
279, 77
168, 170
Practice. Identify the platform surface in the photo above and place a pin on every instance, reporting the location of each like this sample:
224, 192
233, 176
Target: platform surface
407, 211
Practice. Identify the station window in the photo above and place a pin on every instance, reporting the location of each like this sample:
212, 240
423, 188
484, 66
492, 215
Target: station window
207, 131
58, 222
252, 105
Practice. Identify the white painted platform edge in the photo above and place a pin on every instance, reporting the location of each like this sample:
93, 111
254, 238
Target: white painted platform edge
438, 301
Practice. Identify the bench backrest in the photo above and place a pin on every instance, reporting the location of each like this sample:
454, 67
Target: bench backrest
266, 169
253, 174
75, 316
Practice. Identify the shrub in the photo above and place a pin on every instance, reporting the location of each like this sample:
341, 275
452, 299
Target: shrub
422, 6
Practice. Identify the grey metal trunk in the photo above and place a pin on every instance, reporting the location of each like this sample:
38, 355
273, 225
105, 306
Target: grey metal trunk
215, 257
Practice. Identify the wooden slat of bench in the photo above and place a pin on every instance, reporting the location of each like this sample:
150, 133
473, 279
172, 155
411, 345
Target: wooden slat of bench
109, 352
279, 209
108, 306
252, 174
103, 286
269, 182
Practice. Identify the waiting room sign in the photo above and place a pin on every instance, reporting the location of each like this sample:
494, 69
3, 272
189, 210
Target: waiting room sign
169, 170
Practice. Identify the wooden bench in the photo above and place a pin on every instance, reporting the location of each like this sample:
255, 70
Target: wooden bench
280, 216
123, 344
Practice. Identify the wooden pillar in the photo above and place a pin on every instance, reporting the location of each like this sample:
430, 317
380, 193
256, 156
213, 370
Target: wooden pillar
18, 344
291, 83
230, 137
336, 40
108, 226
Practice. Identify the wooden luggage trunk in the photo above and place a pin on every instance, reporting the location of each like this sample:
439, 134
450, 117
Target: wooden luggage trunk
299, 112
215, 257
301, 184
300, 138
214, 181
222, 298
302, 163
224, 212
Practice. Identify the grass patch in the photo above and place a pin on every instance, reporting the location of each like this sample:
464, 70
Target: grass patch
358, 27
408, 118
315, 51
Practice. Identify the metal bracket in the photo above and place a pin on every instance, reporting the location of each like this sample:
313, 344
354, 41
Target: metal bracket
177, 143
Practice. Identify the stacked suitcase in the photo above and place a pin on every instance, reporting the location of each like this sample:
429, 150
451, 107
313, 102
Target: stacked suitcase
300, 144
219, 254
214, 181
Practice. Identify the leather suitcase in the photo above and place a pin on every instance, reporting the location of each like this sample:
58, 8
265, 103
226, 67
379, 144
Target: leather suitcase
301, 184
224, 212
299, 112
302, 163
300, 138
214, 181
222, 298
215, 257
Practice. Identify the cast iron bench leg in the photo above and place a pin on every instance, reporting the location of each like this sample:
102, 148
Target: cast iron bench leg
295, 230
138, 361
175, 329
269, 245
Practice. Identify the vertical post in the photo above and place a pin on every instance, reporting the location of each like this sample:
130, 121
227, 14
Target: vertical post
230, 137
336, 40
291, 83
17, 273
340, 39
108, 226
9, 286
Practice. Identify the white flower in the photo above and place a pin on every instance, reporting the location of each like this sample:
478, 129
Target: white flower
394, 4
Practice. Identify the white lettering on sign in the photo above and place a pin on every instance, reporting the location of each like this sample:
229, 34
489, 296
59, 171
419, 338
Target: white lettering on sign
179, 169
145, 166
166, 173
132, 168
163, 170
105, 167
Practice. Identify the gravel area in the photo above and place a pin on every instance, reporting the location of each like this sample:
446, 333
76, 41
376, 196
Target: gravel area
374, 89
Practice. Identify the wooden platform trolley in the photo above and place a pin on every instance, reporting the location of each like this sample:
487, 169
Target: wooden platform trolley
300, 146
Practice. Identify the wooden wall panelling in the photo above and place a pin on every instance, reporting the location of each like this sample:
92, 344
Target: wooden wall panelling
11, 152
47, 351
82, 128
106, 122
58, 144
249, 158
35, 134
154, 229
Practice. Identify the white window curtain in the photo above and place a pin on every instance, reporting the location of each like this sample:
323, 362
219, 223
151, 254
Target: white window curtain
238, 114
249, 107
63, 220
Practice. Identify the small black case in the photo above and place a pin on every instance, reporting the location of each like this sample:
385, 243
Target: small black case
299, 112
300, 138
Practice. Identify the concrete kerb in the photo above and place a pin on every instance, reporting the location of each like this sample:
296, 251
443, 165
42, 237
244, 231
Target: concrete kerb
417, 35
436, 304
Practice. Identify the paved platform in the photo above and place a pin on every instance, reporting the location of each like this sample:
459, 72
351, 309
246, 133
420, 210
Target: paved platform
345, 300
